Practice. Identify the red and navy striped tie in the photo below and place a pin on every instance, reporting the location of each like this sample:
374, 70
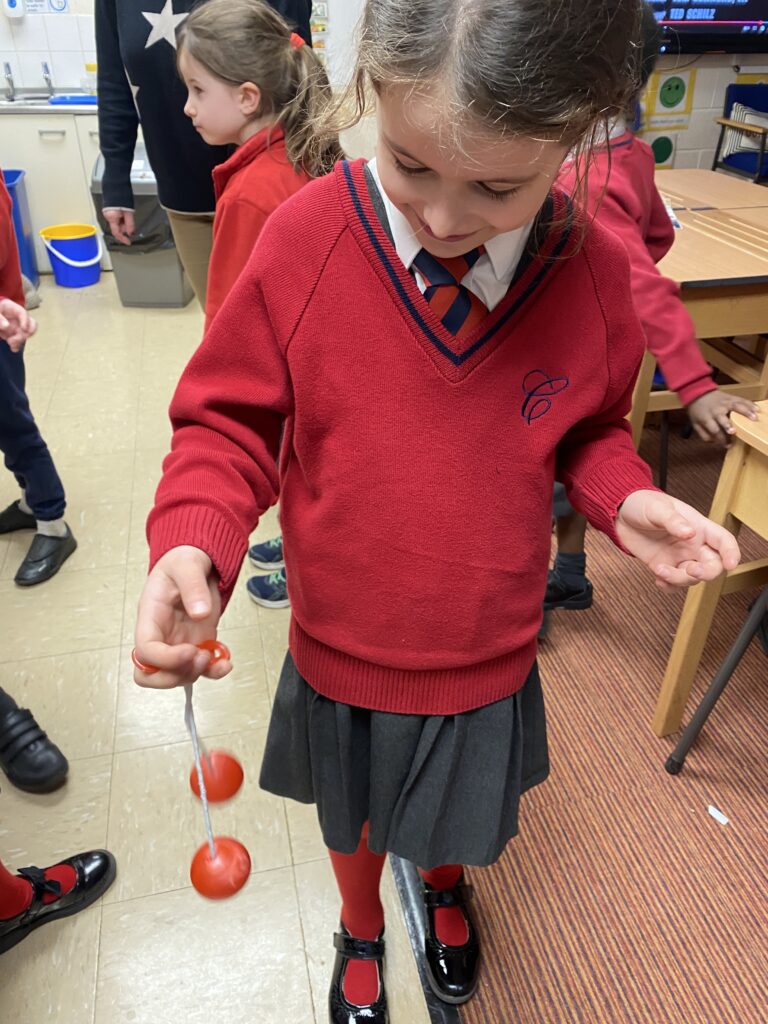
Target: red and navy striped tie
458, 308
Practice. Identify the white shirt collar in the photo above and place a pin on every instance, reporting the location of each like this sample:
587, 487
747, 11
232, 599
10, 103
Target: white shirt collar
504, 250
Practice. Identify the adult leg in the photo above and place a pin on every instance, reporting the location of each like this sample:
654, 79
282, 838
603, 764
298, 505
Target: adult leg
193, 235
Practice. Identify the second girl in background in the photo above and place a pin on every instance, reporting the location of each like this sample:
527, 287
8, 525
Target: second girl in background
253, 83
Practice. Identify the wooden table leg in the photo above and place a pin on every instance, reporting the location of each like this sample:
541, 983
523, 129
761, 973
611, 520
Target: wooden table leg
692, 632
698, 611
640, 396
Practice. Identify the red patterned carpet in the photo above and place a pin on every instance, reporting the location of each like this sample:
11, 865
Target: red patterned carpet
623, 901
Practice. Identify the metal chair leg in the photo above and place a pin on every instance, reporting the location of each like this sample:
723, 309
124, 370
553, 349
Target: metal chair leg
676, 759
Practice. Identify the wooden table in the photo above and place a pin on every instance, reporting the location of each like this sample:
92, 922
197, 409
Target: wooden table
709, 190
720, 261
741, 499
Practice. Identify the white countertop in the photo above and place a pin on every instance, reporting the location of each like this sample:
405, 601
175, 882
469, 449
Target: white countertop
23, 105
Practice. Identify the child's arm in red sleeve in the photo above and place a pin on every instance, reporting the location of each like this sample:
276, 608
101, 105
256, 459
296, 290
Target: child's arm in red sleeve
660, 236
668, 328
227, 413
235, 230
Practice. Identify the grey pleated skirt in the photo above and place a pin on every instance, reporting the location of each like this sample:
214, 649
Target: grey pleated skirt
435, 789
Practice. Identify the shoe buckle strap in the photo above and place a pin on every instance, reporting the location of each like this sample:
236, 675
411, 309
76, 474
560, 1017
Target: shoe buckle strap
41, 884
18, 731
456, 897
358, 949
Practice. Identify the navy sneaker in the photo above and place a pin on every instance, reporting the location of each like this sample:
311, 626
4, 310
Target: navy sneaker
268, 555
566, 596
269, 591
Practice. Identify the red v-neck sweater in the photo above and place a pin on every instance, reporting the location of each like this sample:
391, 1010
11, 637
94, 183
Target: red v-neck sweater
416, 472
10, 271
256, 179
622, 195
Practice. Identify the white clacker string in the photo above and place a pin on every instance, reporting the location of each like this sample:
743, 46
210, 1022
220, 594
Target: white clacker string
189, 719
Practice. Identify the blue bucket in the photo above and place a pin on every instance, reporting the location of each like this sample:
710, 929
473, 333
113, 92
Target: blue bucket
22, 223
75, 254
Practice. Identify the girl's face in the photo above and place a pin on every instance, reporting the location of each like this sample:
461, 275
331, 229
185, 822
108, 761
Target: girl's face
457, 199
221, 113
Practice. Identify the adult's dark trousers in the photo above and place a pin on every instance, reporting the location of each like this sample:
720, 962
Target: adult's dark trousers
26, 453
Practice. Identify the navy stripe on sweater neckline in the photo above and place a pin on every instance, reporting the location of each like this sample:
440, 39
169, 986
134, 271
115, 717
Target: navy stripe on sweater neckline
458, 359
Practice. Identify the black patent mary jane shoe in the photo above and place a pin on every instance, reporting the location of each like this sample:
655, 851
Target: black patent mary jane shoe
339, 1010
95, 872
451, 970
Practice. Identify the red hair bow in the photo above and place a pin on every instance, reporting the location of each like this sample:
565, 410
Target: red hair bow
296, 40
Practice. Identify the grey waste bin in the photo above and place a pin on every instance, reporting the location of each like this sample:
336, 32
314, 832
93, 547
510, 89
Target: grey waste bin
148, 271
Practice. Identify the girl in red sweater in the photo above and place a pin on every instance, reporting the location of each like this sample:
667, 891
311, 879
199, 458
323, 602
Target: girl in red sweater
435, 335
255, 84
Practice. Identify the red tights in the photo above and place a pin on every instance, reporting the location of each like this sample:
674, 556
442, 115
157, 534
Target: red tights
16, 892
358, 876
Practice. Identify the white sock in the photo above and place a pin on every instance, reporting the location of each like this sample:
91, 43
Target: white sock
52, 527
23, 506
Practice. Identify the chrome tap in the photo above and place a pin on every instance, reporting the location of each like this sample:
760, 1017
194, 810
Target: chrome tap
11, 94
47, 77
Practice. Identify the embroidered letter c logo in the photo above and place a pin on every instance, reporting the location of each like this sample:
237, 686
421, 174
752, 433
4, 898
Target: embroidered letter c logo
538, 388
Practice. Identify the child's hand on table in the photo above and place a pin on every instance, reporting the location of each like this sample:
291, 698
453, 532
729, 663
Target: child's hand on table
709, 415
178, 608
678, 544
16, 325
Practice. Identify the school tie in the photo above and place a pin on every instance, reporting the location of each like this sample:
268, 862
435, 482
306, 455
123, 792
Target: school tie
459, 309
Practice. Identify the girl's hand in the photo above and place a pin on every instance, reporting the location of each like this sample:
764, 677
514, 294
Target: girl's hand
709, 415
16, 325
121, 224
179, 606
678, 544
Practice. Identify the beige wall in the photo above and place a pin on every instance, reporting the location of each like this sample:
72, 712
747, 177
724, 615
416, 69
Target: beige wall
695, 146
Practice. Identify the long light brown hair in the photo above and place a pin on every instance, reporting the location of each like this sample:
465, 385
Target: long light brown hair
242, 41
548, 69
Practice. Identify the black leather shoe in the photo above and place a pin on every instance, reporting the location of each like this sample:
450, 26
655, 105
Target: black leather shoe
95, 872
27, 756
451, 970
12, 518
45, 557
561, 595
339, 1010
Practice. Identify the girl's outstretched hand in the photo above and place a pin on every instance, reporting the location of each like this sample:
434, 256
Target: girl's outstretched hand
178, 608
678, 544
